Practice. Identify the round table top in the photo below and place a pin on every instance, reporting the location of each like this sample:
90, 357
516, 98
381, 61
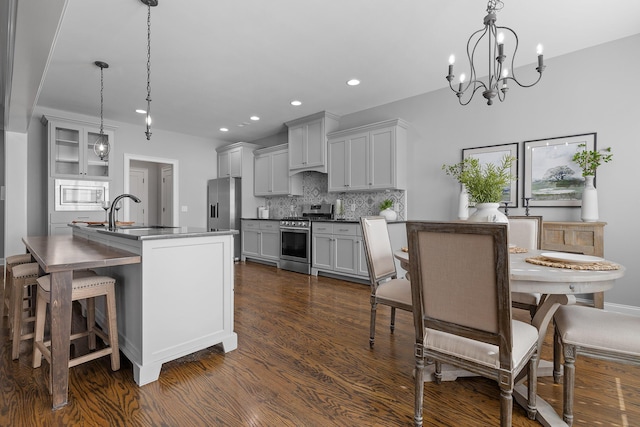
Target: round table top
527, 277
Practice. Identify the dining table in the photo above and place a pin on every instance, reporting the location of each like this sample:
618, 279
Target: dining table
559, 283
59, 256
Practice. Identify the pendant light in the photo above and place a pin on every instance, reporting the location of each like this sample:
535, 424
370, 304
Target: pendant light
102, 147
149, 3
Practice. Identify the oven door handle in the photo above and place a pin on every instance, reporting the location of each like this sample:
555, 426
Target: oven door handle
296, 230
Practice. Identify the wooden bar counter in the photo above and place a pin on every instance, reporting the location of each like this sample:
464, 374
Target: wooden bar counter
59, 256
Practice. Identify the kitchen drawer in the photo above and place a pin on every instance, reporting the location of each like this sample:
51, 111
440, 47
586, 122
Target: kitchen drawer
322, 227
269, 225
346, 229
250, 225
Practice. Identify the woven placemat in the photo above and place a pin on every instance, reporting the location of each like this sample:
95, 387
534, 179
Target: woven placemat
518, 250
595, 266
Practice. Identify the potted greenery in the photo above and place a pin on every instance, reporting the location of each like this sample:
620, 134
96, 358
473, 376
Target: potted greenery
485, 185
589, 161
386, 210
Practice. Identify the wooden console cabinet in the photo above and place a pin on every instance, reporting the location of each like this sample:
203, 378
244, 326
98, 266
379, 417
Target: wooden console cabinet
578, 237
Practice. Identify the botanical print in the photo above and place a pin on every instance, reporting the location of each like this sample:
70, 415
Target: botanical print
552, 178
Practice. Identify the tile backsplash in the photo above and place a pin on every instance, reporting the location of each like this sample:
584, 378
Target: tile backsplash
356, 204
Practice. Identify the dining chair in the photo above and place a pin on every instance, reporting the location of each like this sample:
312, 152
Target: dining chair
462, 309
526, 232
386, 288
595, 333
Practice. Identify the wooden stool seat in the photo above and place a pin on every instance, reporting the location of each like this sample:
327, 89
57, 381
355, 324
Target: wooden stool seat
11, 262
595, 333
23, 276
85, 285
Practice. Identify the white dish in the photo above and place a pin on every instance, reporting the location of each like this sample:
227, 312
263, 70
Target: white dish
572, 258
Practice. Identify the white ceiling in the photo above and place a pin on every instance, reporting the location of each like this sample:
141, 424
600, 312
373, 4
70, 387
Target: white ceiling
215, 63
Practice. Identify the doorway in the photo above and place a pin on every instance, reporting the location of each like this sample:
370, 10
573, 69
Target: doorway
162, 193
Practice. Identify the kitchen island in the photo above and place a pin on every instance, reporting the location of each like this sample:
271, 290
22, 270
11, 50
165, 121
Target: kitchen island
177, 301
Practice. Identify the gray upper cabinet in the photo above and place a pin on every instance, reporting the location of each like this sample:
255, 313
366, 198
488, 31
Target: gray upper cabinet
271, 174
371, 157
308, 142
230, 163
71, 153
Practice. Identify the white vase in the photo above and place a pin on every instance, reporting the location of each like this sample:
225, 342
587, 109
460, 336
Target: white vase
488, 212
389, 214
589, 201
463, 203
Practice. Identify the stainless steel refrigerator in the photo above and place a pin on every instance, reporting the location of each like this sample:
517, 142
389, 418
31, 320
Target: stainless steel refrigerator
224, 204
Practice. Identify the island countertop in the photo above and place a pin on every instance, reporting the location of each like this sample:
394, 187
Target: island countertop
155, 232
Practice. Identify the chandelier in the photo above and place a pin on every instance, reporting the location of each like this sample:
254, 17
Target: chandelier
101, 147
498, 75
149, 3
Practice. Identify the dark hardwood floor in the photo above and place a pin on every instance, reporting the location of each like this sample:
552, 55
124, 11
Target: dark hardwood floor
303, 359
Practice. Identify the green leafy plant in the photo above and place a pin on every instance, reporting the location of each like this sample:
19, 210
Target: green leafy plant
484, 183
386, 204
589, 160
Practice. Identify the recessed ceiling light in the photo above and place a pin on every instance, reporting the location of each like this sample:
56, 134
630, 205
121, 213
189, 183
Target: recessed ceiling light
241, 125
139, 111
224, 130
296, 103
255, 118
353, 82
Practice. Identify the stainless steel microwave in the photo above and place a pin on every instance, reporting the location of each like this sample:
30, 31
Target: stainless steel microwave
78, 195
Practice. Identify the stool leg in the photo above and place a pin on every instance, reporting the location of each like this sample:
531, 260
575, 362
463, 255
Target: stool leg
113, 328
91, 322
569, 383
16, 296
41, 312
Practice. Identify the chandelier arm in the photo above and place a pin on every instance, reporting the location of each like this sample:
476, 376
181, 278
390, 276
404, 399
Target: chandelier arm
472, 52
475, 89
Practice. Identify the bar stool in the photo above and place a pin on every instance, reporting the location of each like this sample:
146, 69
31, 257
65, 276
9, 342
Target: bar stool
24, 276
85, 285
10, 262
594, 333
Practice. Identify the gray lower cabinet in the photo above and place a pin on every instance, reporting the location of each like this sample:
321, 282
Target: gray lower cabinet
261, 241
337, 248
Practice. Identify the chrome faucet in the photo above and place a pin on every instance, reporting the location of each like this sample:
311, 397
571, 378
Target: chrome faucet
112, 222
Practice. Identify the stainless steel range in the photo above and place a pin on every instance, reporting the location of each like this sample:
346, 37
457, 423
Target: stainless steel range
295, 237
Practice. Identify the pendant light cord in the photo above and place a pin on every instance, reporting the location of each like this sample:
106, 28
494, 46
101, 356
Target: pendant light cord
148, 132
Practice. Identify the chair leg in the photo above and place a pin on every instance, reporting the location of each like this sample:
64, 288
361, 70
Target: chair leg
113, 328
569, 383
419, 390
557, 350
506, 405
41, 313
437, 373
532, 389
372, 326
393, 319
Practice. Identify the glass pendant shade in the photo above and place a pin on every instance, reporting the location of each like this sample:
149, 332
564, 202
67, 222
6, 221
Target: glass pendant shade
102, 147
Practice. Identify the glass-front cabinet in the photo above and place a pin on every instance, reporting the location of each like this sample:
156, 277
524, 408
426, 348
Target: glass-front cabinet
71, 149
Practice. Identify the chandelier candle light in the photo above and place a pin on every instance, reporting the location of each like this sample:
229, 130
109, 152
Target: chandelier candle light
497, 80
101, 147
149, 3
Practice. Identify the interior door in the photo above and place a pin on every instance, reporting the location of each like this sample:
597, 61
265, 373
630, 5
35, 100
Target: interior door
166, 199
139, 186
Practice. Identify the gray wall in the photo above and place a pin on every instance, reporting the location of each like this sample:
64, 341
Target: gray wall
593, 90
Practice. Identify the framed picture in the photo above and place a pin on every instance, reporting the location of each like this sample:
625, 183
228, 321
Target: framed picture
551, 178
494, 154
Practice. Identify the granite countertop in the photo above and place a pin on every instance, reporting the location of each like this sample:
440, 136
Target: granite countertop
353, 221
149, 232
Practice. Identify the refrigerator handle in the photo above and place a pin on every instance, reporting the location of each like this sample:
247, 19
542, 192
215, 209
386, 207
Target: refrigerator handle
217, 209
212, 211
